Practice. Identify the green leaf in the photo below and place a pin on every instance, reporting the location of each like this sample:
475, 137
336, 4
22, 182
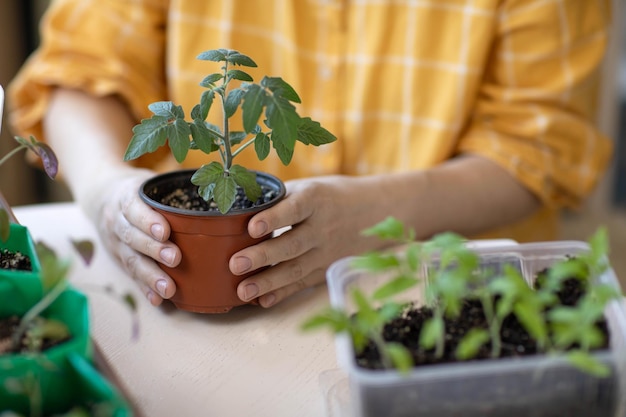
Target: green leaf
282, 118
236, 58
238, 75
148, 136
375, 262
5, 226
210, 80
471, 343
388, 229
203, 138
206, 100
252, 107
208, 174
167, 109
335, 319
367, 315
311, 132
232, 101
400, 357
284, 146
215, 55
178, 139
432, 330
262, 145
587, 363
280, 88
532, 320
247, 180
225, 193
53, 269
394, 287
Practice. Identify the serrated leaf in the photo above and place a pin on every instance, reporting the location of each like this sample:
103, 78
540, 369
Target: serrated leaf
262, 145
282, 117
237, 58
238, 75
247, 180
206, 100
203, 138
208, 174
280, 88
311, 132
232, 101
284, 146
148, 136
167, 109
225, 193
210, 80
178, 139
215, 55
252, 107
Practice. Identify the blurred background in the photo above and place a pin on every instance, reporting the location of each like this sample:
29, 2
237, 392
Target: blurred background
22, 184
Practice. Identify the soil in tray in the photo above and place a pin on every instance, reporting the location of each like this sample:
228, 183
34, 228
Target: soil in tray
8, 326
515, 340
14, 260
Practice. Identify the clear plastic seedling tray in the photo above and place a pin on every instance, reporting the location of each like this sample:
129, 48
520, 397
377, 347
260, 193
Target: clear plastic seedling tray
530, 386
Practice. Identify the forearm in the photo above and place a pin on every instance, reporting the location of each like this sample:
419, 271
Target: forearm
468, 195
89, 136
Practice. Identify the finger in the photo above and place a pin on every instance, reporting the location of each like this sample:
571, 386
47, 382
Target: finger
274, 297
153, 281
127, 233
281, 275
290, 211
289, 245
144, 218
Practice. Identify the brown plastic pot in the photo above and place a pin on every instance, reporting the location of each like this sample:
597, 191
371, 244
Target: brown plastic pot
207, 240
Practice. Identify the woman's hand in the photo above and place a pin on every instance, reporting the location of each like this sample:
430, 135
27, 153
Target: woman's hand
326, 217
137, 236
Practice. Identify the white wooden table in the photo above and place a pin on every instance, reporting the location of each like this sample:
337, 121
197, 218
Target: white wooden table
249, 362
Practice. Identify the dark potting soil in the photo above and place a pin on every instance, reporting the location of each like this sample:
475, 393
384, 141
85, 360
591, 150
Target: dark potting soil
516, 341
8, 326
14, 260
188, 198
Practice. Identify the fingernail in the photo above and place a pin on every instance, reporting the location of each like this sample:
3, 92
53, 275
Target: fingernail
161, 287
269, 300
259, 229
157, 231
241, 265
250, 291
167, 255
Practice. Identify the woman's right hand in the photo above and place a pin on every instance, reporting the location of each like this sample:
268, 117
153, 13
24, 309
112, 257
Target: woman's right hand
135, 234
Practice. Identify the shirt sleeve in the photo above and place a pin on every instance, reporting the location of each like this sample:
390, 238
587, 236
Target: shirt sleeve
102, 47
535, 112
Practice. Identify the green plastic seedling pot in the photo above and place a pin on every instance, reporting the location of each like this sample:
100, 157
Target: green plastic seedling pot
20, 289
49, 369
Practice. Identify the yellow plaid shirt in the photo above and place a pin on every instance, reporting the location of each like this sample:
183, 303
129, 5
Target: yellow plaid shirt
403, 84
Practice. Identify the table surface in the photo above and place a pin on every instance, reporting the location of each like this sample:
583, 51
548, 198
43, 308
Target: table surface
250, 361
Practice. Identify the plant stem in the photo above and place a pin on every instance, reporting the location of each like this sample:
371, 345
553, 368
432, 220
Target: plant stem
11, 153
35, 310
228, 156
243, 146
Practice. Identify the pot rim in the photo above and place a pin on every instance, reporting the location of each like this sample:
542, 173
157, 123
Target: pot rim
263, 178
